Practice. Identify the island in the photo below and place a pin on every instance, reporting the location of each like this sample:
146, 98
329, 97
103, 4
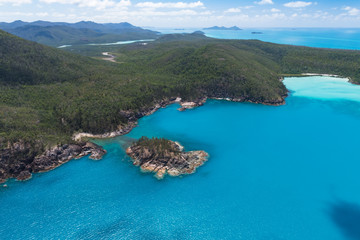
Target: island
162, 156
234, 28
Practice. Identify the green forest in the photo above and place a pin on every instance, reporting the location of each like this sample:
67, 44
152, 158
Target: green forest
48, 94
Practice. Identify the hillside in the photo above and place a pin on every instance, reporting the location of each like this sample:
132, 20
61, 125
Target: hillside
47, 94
59, 33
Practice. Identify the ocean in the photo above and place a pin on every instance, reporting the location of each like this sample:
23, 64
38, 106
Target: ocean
343, 38
286, 172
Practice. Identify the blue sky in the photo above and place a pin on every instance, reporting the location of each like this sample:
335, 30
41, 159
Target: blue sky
203, 13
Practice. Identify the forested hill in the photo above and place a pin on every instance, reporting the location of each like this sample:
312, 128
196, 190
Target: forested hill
60, 33
25, 62
282, 60
47, 94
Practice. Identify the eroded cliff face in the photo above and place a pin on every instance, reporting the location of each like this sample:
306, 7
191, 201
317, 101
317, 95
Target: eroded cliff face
164, 158
19, 160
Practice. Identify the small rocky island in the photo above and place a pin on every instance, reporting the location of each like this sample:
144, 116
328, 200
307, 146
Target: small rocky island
163, 156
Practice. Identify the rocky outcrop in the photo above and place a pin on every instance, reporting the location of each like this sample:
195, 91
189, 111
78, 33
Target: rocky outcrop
20, 161
191, 105
162, 157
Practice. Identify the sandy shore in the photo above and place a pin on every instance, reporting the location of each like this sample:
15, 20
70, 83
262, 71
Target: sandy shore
109, 57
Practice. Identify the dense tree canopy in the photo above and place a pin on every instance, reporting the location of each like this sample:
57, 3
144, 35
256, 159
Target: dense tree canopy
47, 94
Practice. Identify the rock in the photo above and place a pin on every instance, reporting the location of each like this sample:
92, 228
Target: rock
24, 175
19, 162
191, 105
188, 104
96, 152
163, 156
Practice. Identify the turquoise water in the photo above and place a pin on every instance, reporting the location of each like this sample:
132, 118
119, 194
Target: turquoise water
347, 38
329, 88
286, 172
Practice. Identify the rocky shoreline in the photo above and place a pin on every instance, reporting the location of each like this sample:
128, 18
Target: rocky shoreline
162, 156
17, 162
184, 105
20, 161
23, 164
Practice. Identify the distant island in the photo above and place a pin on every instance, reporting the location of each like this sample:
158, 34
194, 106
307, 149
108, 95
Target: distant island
234, 28
257, 33
163, 156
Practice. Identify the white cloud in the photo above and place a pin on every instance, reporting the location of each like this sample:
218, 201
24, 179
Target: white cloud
170, 5
16, 14
352, 11
42, 14
278, 15
297, 4
15, 2
233, 10
264, 2
237, 9
275, 10
98, 4
247, 7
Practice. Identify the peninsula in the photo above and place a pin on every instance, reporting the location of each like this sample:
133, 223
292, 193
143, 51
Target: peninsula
48, 95
162, 156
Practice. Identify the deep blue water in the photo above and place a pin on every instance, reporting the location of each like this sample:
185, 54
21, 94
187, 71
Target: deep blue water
347, 38
274, 173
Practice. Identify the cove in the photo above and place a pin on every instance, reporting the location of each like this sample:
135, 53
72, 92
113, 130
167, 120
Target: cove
285, 172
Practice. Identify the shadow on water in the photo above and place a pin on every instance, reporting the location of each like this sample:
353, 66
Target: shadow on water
346, 216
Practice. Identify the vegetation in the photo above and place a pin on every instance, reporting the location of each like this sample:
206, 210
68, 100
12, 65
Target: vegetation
157, 145
56, 34
47, 94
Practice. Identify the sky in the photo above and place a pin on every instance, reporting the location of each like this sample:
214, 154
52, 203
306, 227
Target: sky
187, 14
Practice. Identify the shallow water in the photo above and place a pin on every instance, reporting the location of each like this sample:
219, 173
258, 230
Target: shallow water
287, 172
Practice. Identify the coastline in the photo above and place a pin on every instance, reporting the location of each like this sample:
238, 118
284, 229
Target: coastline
23, 171
184, 105
81, 139
25, 166
330, 75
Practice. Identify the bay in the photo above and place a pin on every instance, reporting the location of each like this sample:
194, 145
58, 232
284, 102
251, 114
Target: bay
285, 172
